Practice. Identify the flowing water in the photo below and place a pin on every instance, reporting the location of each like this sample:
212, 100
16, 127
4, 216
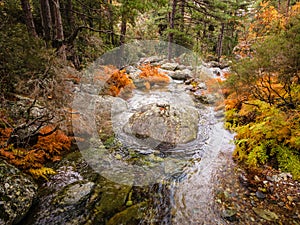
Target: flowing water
114, 185
187, 198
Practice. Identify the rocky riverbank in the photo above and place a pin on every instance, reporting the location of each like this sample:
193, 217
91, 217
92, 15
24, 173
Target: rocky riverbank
198, 183
262, 197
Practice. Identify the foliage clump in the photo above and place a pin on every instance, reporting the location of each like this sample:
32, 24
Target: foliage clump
32, 160
263, 97
150, 75
266, 134
116, 82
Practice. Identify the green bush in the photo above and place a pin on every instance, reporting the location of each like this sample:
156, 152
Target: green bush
22, 58
273, 137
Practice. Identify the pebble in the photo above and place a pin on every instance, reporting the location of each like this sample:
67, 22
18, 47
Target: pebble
281, 204
256, 178
270, 178
260, 195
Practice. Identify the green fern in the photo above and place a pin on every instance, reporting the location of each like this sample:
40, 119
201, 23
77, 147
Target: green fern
288, 161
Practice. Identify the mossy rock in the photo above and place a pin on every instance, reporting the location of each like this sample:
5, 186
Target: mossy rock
129, 216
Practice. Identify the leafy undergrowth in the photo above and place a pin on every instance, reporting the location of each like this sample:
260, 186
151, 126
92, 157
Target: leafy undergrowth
32, 160
151, 76
263, 98
266, 135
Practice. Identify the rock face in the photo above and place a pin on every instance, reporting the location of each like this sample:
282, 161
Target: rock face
78, 195
17, 192
171, 124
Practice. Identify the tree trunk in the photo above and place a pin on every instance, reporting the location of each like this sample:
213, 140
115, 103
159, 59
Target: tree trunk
220, 41
46, 19
122, 39
69, 14
288, 7
111, 23
182, 12
58, 31
28, 17
171, 34
123, 29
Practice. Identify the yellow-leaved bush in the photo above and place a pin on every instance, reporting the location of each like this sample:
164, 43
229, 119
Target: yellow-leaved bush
272, 137
263, 95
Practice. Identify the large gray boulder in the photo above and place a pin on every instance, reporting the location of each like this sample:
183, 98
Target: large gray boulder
172, 124
17, 192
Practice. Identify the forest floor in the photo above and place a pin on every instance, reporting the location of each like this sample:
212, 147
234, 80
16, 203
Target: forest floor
267, 196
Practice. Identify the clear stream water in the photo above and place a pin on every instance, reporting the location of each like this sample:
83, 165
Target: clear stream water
188, 199
177, 183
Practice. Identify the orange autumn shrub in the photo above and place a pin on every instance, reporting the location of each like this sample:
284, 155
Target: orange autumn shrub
115, 82
32, 160
119, 82
151, 75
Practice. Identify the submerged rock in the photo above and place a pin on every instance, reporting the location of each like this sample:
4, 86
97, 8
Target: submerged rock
105, 108
171, 124
131, 215
17, 192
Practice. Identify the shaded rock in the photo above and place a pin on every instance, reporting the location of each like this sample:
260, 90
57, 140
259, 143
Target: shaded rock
170, 66
113, 198
202, 85
219, 114
213, 64
131, 215
80, 197
133, 72
222, 64
206, 98
265, 214
94, 115
260, 195
181, 67
229, 214
17, 192
105, 108
166, 123
182, 74
166, 72
75, 193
